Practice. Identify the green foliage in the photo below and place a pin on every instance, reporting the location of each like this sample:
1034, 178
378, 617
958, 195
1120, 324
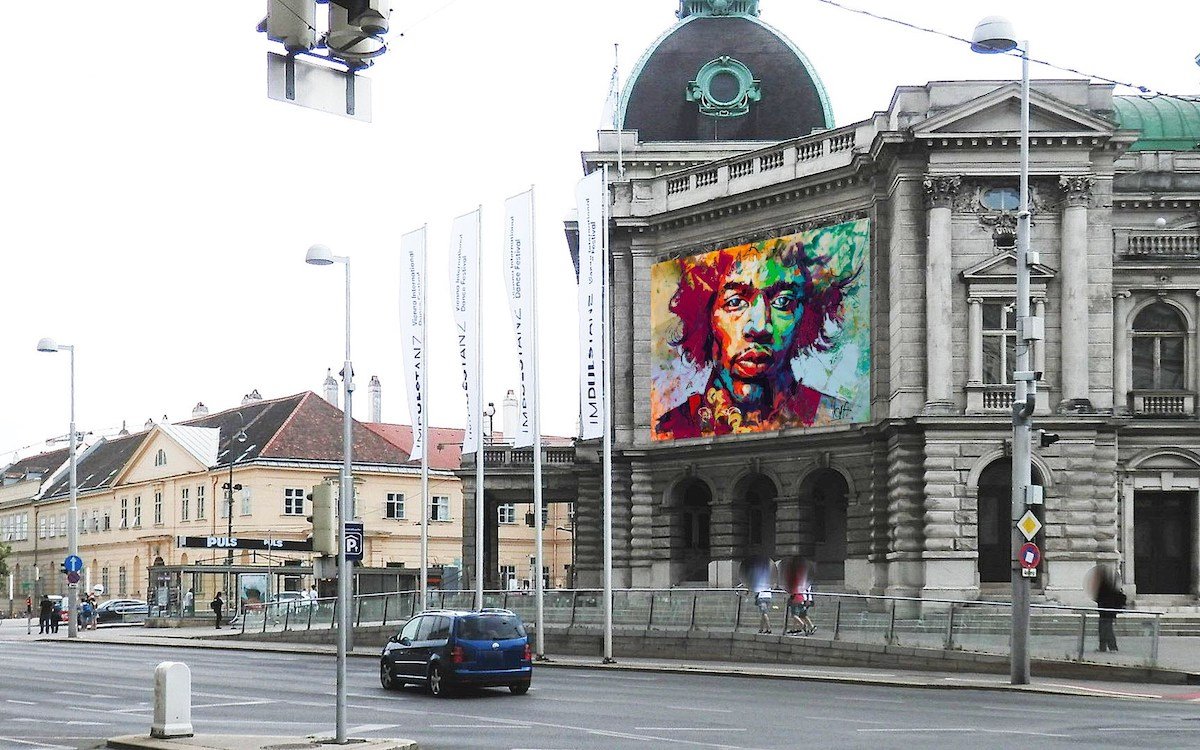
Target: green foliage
4, 552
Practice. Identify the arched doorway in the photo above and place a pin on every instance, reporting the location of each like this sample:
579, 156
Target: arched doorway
754, 516
995, 521
829, 497
691, 534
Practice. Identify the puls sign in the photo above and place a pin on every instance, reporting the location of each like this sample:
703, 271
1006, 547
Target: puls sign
233, 542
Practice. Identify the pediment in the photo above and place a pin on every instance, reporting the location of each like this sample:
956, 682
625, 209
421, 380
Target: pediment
999, 112
1003, 268
186, 450
1166, 459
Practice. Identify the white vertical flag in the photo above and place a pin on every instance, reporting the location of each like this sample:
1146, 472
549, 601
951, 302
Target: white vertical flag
412, 331
519, 277
464, 280
590, 196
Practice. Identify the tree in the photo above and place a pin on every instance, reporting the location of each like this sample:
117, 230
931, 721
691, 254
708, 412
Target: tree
4, 552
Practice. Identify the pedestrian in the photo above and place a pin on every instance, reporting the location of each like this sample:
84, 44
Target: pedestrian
189, 603
1109, 599
762, 600
86, 610
798, 605
45, 612
218, 604
56, 614
94, 618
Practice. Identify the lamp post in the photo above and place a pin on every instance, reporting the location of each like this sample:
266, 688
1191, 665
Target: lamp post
995, 35
320, 255
49, 345
230, 487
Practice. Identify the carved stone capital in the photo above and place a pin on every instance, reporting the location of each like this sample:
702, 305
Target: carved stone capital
1077, 189
979, 300
940, 190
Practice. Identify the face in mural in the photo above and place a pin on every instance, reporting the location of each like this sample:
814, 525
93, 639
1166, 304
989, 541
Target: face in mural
754, 337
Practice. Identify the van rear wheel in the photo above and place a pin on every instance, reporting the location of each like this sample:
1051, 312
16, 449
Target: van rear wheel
519, 688
437, 682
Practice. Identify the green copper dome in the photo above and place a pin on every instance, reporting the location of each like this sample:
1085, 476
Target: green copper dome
1167, 123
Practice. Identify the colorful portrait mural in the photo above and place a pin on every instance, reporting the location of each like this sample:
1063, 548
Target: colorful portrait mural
764, 336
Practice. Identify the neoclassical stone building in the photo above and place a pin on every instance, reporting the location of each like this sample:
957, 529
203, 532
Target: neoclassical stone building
728, 141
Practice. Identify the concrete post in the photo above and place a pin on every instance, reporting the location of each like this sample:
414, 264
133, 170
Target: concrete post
172, 701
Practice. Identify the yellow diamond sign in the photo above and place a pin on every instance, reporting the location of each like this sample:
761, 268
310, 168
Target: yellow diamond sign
1029, 526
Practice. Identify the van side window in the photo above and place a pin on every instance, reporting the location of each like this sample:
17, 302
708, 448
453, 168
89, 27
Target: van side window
409, 630
427, 623
441, 630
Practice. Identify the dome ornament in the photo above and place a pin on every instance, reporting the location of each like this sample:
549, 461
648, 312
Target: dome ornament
724, 88
717, 8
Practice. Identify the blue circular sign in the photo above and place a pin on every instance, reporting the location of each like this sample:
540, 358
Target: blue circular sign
73, 563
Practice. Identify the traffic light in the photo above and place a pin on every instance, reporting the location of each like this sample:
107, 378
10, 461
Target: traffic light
324, 521
355, 27
1047, 439
62, 568
292, 23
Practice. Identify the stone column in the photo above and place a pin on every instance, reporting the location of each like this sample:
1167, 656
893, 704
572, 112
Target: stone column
1073, 286
939, 278
974, 341
1122, 301
1039, 360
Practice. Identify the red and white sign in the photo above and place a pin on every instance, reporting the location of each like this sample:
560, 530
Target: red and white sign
1029, 555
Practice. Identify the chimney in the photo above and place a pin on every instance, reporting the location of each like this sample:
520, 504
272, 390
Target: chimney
510, 416
200, 410
124, 430
331, 388
251, 397
149, 423
376, 391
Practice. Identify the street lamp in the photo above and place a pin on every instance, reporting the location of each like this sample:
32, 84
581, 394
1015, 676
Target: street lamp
230, 487
320, 255
996, 35
49, 345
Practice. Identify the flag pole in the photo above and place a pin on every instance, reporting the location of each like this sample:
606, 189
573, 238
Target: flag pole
478, 415
537, 436
424, 427
606, 464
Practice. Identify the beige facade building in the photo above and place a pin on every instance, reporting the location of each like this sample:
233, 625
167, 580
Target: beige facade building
139, 493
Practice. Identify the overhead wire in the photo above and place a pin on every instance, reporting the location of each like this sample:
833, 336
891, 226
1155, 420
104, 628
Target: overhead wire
1015, 53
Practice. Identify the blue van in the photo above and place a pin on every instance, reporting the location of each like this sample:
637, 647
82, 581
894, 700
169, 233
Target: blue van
445, 649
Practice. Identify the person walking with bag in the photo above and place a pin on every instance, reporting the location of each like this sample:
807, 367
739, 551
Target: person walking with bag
45, 612
218, 605
1109, 599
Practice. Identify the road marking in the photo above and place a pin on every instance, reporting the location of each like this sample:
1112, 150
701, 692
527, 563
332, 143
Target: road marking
23, 703
42, 745
1099, 691
1148, 729
234, 703
705, 709
74, 722
689, 729
85, 695
371, 728
925, 730
476, 726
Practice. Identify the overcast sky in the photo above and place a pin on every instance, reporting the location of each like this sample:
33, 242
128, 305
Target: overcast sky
157, 206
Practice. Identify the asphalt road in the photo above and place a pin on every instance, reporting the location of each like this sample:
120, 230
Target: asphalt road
74, 695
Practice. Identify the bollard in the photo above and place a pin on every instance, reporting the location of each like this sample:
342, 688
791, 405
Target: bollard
172, 701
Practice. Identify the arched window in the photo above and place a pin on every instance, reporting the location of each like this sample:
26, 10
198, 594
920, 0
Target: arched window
1159, 343
160, 458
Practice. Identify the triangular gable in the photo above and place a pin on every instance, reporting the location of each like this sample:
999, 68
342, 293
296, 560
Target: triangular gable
1000, 112
1003, 267
196, 446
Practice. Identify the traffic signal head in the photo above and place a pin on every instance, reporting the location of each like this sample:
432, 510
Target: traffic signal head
1047, 439
349, 41
62, 568
324, 521
292, 23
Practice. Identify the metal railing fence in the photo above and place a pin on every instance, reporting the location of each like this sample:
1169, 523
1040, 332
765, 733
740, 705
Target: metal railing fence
1057, 632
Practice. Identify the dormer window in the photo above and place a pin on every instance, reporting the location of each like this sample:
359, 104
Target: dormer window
160, 458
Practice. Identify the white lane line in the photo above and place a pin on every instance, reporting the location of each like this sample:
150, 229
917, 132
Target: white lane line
929, 730
41, 745
705, 709
688, 729
234, 703
85, 695
371, 728
1100, 691
72, 722
1148, 729
23, 703
476, 726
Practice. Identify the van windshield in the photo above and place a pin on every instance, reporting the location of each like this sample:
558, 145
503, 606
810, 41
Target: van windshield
490, 628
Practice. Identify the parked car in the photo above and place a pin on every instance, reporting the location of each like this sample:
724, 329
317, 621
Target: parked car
445, 649
122, 610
